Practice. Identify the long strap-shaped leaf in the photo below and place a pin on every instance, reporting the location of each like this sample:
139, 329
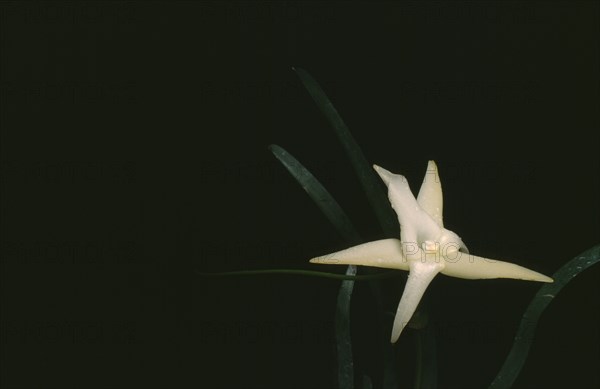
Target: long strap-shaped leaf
343, 340
518, 354
318, 194
426, 375
340, 220
375, 194
307, 273
386, 217
367, 177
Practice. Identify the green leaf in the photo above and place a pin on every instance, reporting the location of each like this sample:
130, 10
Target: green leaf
308, 273
370, 182
343, 340
376, 197
318, 194
518, 354
340, 220
426, 375
366, 382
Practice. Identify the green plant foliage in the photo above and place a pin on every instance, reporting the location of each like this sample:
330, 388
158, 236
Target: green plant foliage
341, 222
307, 273
371, 184
387, 220
426, 374
326, 203
525, 334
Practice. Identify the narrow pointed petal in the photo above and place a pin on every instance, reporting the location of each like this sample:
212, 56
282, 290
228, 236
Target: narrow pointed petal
430, 196
415, 223
473, 267
421, 274
386, 253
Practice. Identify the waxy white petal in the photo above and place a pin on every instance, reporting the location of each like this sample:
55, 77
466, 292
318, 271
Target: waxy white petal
472, 267
415, 223
421, 274
386, 253
430, 196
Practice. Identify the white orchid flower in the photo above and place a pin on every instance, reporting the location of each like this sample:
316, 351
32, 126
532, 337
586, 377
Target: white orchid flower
425, 247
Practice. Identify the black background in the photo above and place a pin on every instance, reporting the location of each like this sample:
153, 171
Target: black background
134, 152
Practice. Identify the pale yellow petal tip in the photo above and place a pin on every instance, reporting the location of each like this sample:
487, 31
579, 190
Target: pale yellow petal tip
396, 332
325, 259
379, 169
385, 175
547, 279
539, 277
431, 165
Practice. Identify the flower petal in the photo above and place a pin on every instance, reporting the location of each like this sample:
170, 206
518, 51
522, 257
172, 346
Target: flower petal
430, 196
415, 224
421, 274
468, 266
386, 253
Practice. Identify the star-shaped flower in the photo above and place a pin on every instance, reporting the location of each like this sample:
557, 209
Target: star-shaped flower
425, 247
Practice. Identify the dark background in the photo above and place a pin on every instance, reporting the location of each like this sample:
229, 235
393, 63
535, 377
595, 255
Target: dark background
134, 152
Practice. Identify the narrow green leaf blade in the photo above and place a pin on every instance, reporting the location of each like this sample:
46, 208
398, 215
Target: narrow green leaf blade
307, 273
318, 194
343, 339
367, 177
520, 349
366, 382
427, 363
340, 220
375, 195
